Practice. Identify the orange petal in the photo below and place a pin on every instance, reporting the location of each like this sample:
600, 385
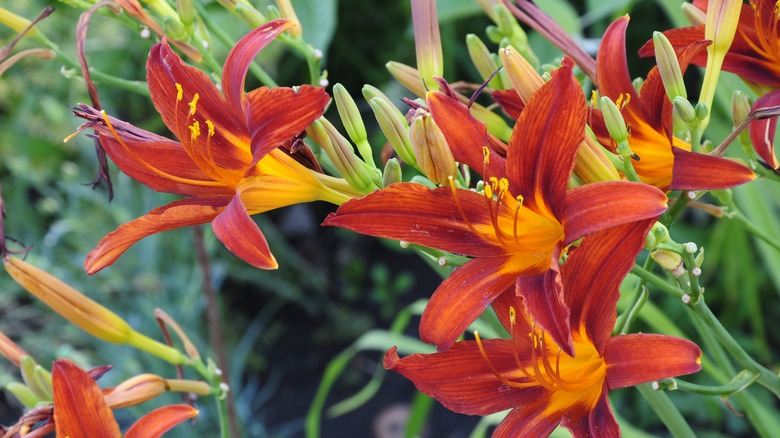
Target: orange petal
157, 422
596, 421
241, 235
762, 132
545, 141
509, 101
641, 358
693, 171
544, 301
241, 56
275, 115
79, 408
530, 419
462, 297
613, 76
174, 215
602, 205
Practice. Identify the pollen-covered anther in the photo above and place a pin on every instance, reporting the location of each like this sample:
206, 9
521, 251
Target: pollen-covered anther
210, 127
194, 104
194, 131
179, 92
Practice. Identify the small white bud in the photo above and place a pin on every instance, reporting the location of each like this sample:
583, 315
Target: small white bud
323, 82
404, 244
656, 386
217, 371
317, 53
691, 195
442, 261
696, 272
686, 299
145, 33
691, 248
224, 387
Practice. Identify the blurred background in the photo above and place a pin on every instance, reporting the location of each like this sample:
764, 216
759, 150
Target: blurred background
283, 328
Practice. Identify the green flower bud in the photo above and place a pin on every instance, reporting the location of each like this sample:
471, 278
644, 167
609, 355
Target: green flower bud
392, 173
684, 109
35, 380
668, 67
186, 14
341, 154
353, 123
392, 123
483, 60
614, 120
669, 261
431, 149
249, 14
23, 394
408, 76
702, 111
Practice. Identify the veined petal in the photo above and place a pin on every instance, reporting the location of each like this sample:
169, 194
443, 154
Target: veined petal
242, 55
466, 136
275, 115
762, 132
157, 422
602, 205
544, 301
693, 171
509, 101
241, 235
596, 421
174, 215
613, 76
461, 379
641, 358
228, 147
544, 142
79, 408
462, 297
416, 214
529, 420
592, 275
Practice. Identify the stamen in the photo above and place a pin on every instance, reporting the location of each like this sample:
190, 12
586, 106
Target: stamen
194, 104
495, 372
79, 130
179, 92
518, 206
459, 206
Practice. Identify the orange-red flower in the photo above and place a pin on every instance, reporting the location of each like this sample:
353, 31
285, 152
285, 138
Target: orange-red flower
665, 161
754, 56
530, 374
521, 223
80, 411
228, 162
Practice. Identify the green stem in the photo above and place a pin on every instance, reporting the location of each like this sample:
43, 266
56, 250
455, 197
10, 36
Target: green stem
740, 219
740, 382
675, 209
658, 282
138, 87
667, 411
640, 298
224, 430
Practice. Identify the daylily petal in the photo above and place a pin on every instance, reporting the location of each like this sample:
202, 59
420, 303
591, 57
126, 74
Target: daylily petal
602, 205
598, 421
228, 147
592, 275
466, 136
157, 422
461, 379
79, 408
417, 214
529, 420
462, 297
241, 56
174, 215
241, 235
613, 76
275, 115
762, 132
641, 358
694, 171
544, 142
544, 301
509, 101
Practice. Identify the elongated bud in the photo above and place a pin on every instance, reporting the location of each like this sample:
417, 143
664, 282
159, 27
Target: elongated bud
740, 109
407, 76
488, 6
431, 149
22, 393
592, 164
249, 14
684, 109
483, 61
523, 76
392, 123
288, 12
614, 120
427, 41
11, 351
353, 123
170, 18
16, 22
36, 378
668, 67
341, 153
186, 12
392, 173
722, 19
694, 15
83, 312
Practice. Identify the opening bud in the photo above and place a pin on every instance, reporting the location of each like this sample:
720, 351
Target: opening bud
409, 77
427, 42
523, 76
720, 27
431, 149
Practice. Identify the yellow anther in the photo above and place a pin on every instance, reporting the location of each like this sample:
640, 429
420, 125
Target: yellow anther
619, 101
512, 315
493, 181
594, 97
179, 92
195, 130
503, 185
623, 100
488, 191
194, 103
520, 200
486, 155
211, 128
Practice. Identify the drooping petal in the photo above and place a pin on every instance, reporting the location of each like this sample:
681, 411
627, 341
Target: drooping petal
461, 379
416, 214
174, 215
241, 56
592, 422
157, 422
613, 76
228, 146
466, 136
544, 301
640, 358
694, 171
602, 205
241, 235
529, 419
762, 132
593, 273
462, 297
79, 408
544, 143
275, 115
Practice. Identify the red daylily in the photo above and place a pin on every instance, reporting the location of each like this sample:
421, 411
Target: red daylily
228, 164
665, 161
754, 56
519, 226
529, 373
80, 411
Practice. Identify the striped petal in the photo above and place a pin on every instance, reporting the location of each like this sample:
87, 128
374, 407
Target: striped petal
762, 132
693, 171
79, 408
641, 358
157, 422
241, 235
